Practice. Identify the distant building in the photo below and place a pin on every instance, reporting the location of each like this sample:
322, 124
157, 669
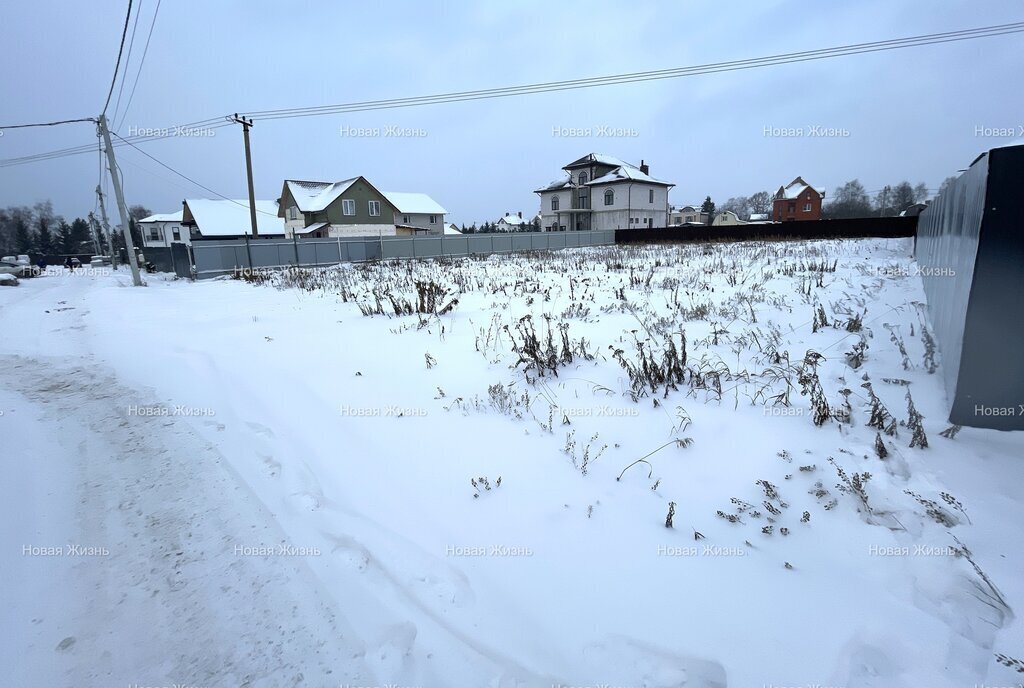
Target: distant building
417, 213
759, 217
451, 229
602, 192
687, 215
208, 218
797, 200
351, 207
162, 229
727, 218
511, 222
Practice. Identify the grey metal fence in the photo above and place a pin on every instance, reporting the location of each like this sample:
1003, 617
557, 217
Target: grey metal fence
214, 258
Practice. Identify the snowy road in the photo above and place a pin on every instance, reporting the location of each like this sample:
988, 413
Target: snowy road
129, 529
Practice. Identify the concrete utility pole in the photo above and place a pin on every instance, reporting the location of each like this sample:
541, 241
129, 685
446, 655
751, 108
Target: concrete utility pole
94, 228
246, 124
106, 229
119, 194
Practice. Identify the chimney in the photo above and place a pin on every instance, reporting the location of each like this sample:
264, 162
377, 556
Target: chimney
520, 214
644, 168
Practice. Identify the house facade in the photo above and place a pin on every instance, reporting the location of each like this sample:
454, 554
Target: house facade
797, 200
727, 218
207, 218
349, 208
163, 229
602, 192
417, 213
687, 215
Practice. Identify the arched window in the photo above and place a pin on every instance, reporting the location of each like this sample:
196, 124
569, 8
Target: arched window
583, 178
554, 202
609, 197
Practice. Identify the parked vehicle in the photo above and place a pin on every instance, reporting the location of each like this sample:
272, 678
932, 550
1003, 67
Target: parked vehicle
18, 269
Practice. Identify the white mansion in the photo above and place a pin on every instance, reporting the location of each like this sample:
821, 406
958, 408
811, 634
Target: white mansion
602, 192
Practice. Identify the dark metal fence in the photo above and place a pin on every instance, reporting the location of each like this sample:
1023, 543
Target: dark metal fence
970, 248
853, 228
213, 258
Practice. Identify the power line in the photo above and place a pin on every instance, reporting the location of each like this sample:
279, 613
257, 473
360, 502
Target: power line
193, 181
677, 72
127, 59
48, 124
145, 51
528, 89
117, 66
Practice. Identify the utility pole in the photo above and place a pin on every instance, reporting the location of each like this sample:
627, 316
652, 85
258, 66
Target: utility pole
106, 228
246, 124
119, 194
94, 227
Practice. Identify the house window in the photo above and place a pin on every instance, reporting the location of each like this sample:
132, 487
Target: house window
374, 208
293, 213
650, 195
583, 178
807, 207
433, 219
176, 232
348, 207
405, 219
609, 197
554, 202
792, 207
154, 234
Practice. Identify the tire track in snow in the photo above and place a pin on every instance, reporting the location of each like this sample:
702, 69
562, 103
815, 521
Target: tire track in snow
174, 601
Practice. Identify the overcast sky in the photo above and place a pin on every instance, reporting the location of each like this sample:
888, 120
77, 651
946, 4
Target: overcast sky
911, 114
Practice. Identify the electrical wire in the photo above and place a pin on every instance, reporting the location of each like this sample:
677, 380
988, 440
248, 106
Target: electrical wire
544, 87
127, 60
117, 66
145, 51
193, 181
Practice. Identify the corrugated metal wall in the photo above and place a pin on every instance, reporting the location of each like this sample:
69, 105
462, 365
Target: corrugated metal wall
970, 248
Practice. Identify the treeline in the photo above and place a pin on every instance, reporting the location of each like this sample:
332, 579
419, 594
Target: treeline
495, 228
848, 201
37, 230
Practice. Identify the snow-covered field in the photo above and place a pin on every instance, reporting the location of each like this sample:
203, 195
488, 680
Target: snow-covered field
284, 482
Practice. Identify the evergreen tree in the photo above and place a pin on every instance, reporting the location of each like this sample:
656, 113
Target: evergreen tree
708, 206
44, 237
80, 236
22, 235
64, 241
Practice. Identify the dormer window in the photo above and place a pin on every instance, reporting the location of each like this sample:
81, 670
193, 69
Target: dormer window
554, 202
583, 178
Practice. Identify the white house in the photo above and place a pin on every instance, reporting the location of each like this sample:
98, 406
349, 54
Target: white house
687, 215
208, 218
162, 229
727, 218
417, 213
512, 222
602, 192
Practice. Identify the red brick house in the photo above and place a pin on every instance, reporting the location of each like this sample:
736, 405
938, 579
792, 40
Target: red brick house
798, 200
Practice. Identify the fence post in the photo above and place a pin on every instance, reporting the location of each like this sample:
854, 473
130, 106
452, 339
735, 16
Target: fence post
248, 252
295, 242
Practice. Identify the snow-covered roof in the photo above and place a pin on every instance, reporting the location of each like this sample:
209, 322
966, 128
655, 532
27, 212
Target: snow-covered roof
795, 188
162, 217
513, 219
597, 159
313, 197
450, 229
216, 217
563, 183
312, 228
415, 203
754, 217
626, 172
